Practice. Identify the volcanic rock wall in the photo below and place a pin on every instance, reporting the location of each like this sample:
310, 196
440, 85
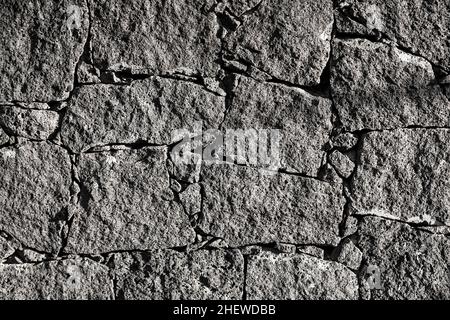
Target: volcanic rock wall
94, 205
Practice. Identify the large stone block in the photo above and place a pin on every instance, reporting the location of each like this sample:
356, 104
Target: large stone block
377, 86
149, 110
298, 277
155, 37
34, 193
404, 174
245, 206
126, 203
56, 280
167, 274
40, 45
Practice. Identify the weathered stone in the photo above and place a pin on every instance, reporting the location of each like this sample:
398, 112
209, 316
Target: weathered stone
404, 174
4, 138
377, 86
244, 205
32, 124
269, 39
126, 203
239, 7
285, 247
303, 121
343, 165
298, 277
191, 199
34, 191
312, 251
412, 264
56, 280
87, 73
187, 170
148, 110
31, 256
154, 36
350, 226
345, 141
40, 46
348, 254
420, 26
6, 248
165, 274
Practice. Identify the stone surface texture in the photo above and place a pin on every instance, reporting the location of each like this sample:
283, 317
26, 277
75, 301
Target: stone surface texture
225, 150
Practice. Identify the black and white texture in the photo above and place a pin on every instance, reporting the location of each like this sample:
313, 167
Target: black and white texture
93, 205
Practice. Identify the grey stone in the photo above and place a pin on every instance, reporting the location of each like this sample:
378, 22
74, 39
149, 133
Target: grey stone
4, 138
32, 124
421, 26
404, 174
345, 141
154, 37
350, 226
303, 121
343, 165
412, 264
149, 110
165, 274
6, 248
377, 86
285, 247
269, 39
40, 46
348, 254
239, 7
191, 199
312, 251
34, 193
244, 206
126, 203
31, 256
187, 170
87, 73
298, 277
56, 280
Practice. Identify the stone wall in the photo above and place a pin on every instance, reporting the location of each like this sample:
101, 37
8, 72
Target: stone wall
94, 203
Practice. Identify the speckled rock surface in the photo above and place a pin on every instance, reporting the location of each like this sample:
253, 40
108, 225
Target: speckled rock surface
224, 149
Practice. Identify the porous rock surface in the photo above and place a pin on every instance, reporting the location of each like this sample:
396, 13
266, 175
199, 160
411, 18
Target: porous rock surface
232, 149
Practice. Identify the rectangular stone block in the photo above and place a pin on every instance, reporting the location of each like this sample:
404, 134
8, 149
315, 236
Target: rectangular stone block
246, 206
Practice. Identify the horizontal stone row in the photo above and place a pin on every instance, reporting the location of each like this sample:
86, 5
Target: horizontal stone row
118, 197
40, 55
405, 263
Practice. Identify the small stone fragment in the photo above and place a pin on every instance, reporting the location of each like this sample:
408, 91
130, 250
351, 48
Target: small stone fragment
345, 141
128, 36
6, 249
40, 46
87, 73
348, 254
259, 108
4, 138
34, 191
30, 256
27, 123
377, 86
269, 39
404, 263
350, 226
79, 279
244, 205
312, 251
167, 274
126, 203
343, 165
404, 174
285, 247
191, 199
298, 277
